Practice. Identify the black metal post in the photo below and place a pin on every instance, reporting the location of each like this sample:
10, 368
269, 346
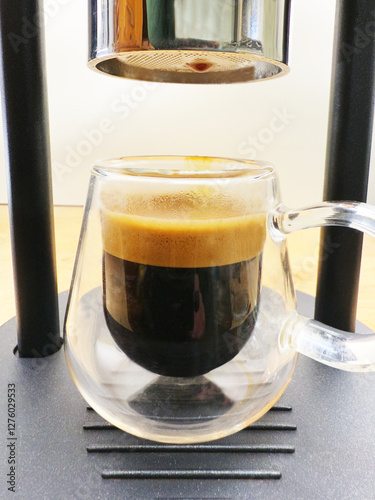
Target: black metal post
25, 111
348, 158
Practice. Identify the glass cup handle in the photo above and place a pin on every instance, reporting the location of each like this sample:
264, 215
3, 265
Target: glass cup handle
333, 347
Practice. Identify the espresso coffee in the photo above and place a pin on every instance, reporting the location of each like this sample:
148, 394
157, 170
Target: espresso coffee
181, 280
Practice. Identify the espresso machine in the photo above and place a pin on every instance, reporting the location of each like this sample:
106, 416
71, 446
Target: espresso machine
304, 447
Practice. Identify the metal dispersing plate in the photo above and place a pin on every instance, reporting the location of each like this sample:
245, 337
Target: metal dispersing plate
318, 442
190, 66
188, 61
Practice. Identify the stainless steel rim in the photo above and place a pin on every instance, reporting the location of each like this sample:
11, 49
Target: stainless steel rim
190, 41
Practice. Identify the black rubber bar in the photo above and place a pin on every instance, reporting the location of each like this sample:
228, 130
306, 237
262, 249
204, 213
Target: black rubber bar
274, 408
348, 158
192, 448
258, 426
26, 126
263, 426
191, 474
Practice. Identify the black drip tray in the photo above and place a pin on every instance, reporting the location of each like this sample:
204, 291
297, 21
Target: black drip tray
322, 448
250, 452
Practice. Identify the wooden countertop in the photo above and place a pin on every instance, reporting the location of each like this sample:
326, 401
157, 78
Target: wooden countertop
303, 250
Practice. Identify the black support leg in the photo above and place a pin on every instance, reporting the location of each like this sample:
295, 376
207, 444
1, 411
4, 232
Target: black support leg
26, 126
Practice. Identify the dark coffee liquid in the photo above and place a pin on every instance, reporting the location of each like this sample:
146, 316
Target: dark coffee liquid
180, 322
181, 275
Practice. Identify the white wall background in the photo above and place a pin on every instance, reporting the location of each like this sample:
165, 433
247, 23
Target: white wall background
94, 116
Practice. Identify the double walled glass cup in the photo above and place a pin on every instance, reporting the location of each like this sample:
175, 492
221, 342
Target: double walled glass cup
181, 324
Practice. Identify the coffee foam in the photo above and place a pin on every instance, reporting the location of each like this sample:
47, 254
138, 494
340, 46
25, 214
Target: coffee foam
186, 229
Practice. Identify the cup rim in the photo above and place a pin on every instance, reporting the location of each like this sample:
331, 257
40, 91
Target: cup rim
166, 166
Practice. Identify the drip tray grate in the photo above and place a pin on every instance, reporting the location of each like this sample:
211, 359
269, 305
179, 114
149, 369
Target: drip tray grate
242, 444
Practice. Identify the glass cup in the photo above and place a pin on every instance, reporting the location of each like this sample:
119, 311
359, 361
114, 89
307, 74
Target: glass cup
181, 323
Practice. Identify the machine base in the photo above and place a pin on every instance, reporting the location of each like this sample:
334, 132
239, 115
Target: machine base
317, 442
